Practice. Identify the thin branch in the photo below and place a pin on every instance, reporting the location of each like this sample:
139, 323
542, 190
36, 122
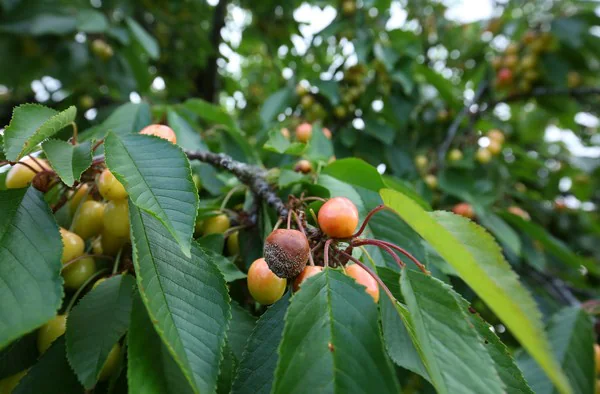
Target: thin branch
453, 129
250, 175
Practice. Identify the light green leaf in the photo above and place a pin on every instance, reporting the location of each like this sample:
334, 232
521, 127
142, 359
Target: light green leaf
478, 260
68, 160
32, 124
453, 352
319, 147
91, 21
332, 341
143, 38
158, 178
499, 228
30, 252
96, 323
355, 172
51, 374
279, 144
257, 366
186, 298
571, 334
151, 368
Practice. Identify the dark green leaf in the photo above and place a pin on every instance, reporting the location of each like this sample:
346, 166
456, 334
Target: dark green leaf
187, 137
151, 368
505, 234
51, 375
30, 252
91, 21
275, 104
450, 345
279, 144
242, 324
571, 334
98, 321
319, 147
143, 38
128, 118
68, 160
158, 178
32, 124
331, 340
257, 366
186, 298
19, 355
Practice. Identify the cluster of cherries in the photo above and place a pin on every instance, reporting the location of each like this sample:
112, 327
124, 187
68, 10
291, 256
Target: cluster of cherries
100, 213
298, 254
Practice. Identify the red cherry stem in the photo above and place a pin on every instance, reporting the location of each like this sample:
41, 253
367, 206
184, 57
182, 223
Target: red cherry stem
379, 243
326, 249
369, 216
373, 274
97, 145
26, 165
301, 228
384, 247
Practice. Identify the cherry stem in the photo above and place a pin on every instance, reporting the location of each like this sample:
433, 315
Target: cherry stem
230, 194
289, 219
117, 262
382, 246
74, 140
326, 250
378, 242
83, 256
233, 229
369, 216
35, 160
373, 274
313, 198
26, 165
82, 287
301, 228
97, 145
277, 224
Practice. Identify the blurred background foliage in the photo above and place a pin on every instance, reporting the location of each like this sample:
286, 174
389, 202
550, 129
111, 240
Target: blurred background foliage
400, 84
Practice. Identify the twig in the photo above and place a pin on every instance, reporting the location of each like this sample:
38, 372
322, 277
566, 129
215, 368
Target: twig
453, 129
250, 175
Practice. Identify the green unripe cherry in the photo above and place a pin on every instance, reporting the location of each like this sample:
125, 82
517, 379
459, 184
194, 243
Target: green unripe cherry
72, 245
233, 244
88, 220
111, 363
76, 273
110, 187
8, 384
50, 331
116, 218
216, 224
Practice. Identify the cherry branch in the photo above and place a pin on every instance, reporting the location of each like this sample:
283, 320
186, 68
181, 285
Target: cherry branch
250, 175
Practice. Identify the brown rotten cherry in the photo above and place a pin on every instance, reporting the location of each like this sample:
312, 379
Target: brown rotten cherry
264, 286
338, 217
286, 252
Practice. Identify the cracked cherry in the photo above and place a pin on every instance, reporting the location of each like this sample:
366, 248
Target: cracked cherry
116, 218
338, 217
73, 245
160, 130
110, 187
21, 176
286, 252
362, 277
50, 331
309, 270
88, 220
264, 286
78, 272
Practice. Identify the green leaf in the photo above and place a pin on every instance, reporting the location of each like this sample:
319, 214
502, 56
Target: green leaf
98, 321
143, 38
355, 172
444, 86
19, 355
91, 21
242, 324
329, 89
479, 262
258, 362
32, 124
509, 372
228, 269
399, 339
187, 137
226, 371
552, 244
505, 234
126, 119
571, 334
407, 189
30, 252
51, 374
68, 160
151, 368
2, 155
279, 144
319, 147
450, 345
158, 178
186, 298
332, 340
275, 104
